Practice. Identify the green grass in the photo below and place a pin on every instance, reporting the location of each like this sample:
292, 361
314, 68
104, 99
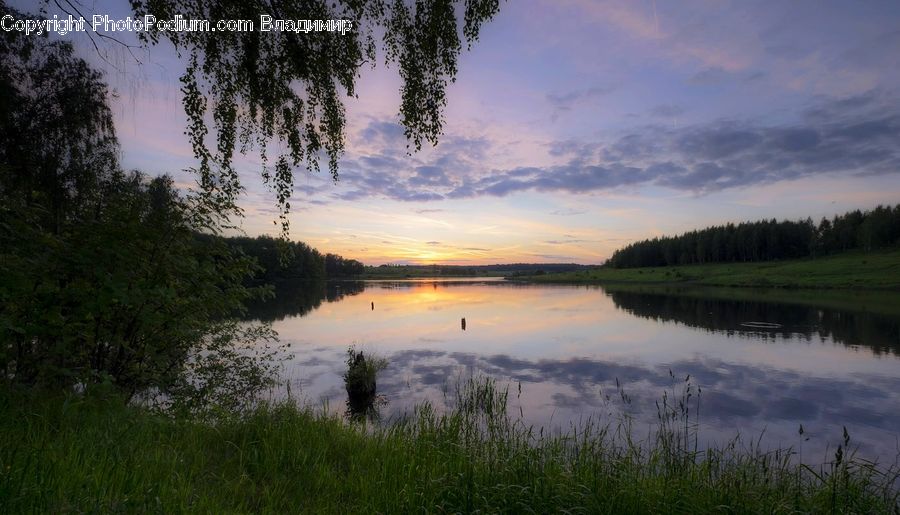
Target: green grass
850, 270
73, 454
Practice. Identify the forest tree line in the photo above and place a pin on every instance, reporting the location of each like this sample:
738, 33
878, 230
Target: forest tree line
435, 270
281, 259
767, 240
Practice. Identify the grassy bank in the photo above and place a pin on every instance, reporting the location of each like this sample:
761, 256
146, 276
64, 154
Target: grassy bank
851, 270
74, 455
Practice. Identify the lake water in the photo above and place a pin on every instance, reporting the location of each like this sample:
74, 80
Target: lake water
765, 364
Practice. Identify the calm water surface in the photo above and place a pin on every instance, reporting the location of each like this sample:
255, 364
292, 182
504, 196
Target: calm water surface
765, 366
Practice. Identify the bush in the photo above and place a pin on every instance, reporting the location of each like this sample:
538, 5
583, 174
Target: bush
128, 297
103, 278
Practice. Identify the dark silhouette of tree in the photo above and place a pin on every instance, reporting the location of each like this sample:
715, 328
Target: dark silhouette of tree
767, 240
59, 144
298, 297
337, 266
852, 328
103, 279
281, 259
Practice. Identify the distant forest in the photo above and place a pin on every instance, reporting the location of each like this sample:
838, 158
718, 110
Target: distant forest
767, 240
281, 260
512, 269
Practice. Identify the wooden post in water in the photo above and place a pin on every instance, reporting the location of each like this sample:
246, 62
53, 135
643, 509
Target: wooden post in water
463, 323
373, 305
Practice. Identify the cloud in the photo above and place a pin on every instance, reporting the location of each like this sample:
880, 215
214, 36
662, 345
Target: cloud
307, 190
569, 100
666, 111
575, 149
429, 176
568, 212
851, 136
381, 131
710, 76
732, 393
718, 141
755, 76
556, 257
565, 242
454, 146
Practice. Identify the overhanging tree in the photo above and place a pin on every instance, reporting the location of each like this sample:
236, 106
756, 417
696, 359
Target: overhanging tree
287, 88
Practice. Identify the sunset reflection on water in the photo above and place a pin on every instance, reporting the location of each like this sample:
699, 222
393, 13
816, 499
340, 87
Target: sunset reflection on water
568, 345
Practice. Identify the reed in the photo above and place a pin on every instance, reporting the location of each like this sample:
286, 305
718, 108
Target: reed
89, 453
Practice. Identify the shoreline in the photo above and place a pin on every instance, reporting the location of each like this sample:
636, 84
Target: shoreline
852, 271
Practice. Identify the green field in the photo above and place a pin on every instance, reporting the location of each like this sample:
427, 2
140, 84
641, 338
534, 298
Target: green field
74, 454
851, 270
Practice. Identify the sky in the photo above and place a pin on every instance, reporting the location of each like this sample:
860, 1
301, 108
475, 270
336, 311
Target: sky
577, 126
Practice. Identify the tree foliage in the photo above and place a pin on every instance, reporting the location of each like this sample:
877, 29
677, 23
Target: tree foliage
289, 88
767, 240
123, 296
102, 276
848, 327
337, 266
59, 143
283, 260
279, 259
